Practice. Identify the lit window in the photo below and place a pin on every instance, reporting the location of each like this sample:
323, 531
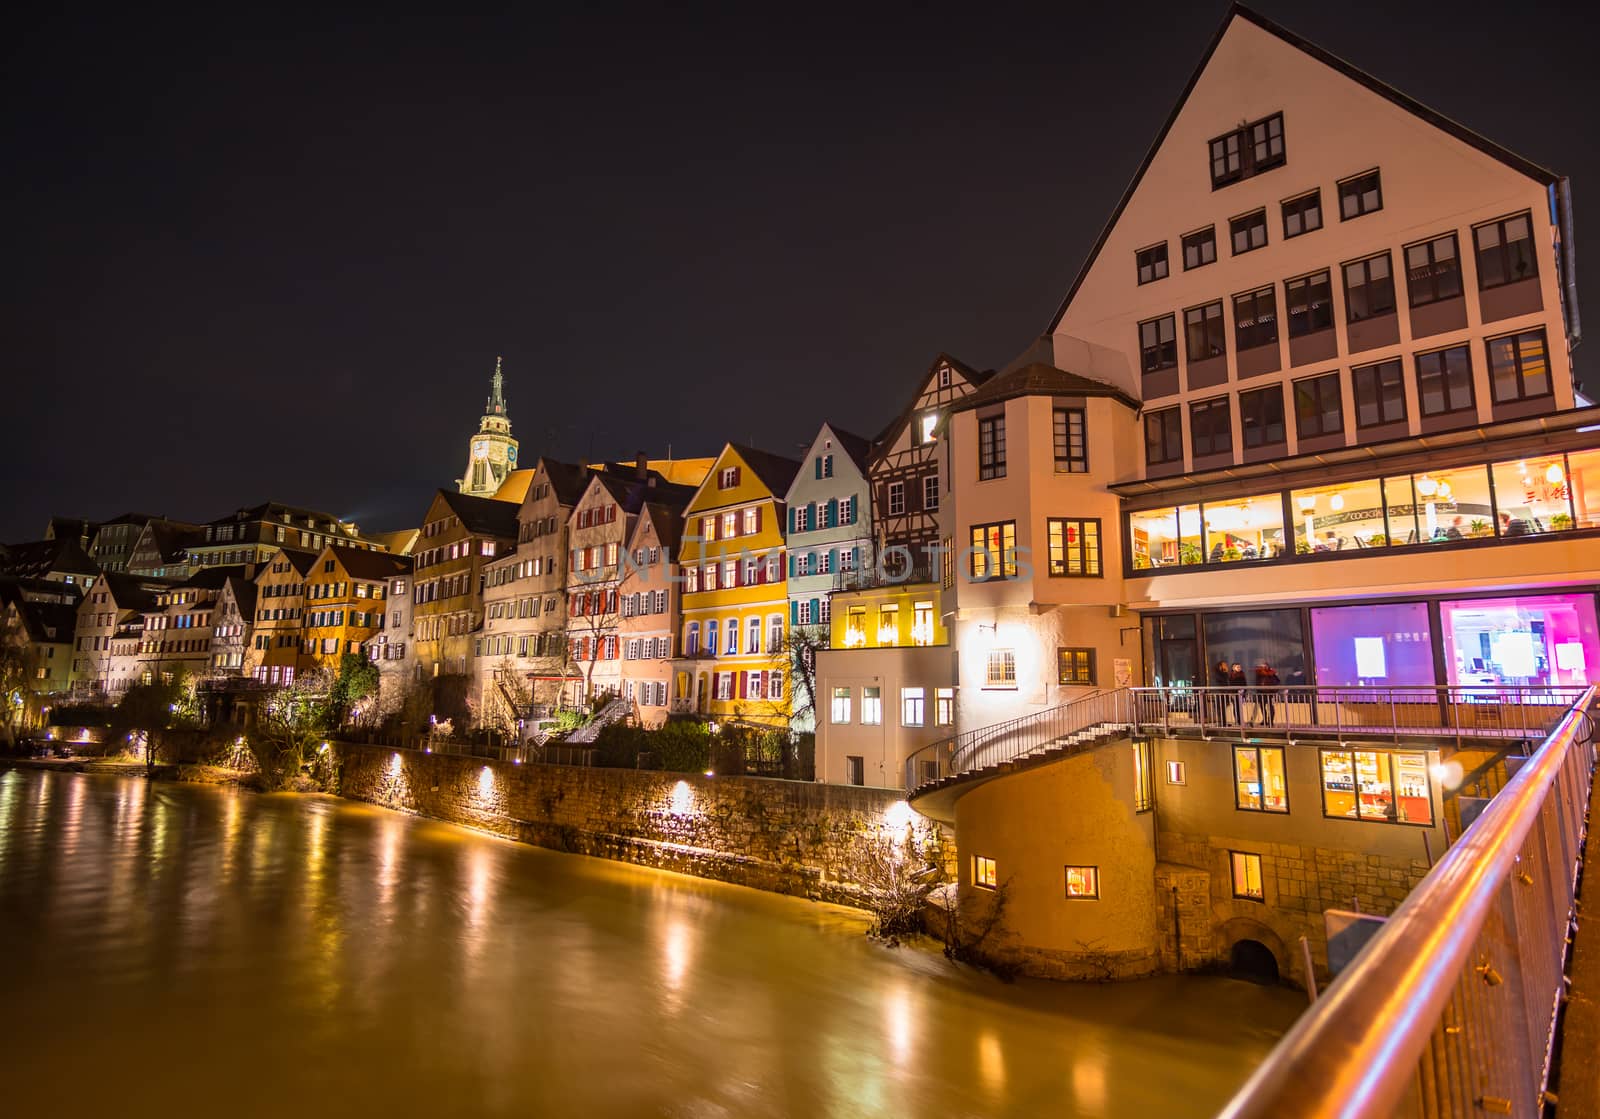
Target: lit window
1377, 786
1074, 547
1144, 792
1177, 773
752, 518
1083, 882
1259, 779
1075, 666
984, 874
993, 551
1001, 669
944, 707
897, 498
1246, 875
911, 707
871, 707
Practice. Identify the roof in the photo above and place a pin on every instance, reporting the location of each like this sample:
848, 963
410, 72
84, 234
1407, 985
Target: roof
213, 578
301, 561
172, 539
244, 595
483, 515
1416, 108
130, 592
1038, 379
683, 471
858, 447
397, 543
515, 486
47, 622
363, 563
669, 524
631, 492
62, 527
567, 479
132, 519
274, 511
974, 377
776, 472
63, 554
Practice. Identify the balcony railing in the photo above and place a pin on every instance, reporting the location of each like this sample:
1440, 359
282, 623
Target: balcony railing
1016, 738
1451, 1009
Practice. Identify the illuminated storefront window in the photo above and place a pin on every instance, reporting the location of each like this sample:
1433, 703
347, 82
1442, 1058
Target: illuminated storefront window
983, 872
1544, 640
1453, 504
1248, 529
1533, 495
1388, 644
1583, 472
1377, 786
1246, 869
1336, 518
1259, 780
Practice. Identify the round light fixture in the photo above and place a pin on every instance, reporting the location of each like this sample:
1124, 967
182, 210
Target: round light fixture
1555, 475
1426, 486
1337, 502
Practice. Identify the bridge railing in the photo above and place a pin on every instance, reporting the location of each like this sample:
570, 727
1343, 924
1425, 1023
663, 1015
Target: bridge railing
1462, 713
1450, 1010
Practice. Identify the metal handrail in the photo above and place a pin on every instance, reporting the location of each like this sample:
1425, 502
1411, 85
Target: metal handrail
1454, 999
1464, 713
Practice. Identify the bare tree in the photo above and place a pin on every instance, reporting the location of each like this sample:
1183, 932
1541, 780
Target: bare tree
509, 700
594, 620
289, 727
19, 672
796, 657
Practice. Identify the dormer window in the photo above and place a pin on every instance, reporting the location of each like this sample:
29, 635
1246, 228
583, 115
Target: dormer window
728, 478
1248, 150
922, 430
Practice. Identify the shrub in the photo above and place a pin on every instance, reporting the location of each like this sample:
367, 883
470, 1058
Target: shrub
679, 747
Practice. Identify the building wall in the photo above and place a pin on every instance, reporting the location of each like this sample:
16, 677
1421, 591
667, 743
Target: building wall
542, 536
595, 613
1334, 128
814, 564
276, 643
650, 674
883, 747
785, 836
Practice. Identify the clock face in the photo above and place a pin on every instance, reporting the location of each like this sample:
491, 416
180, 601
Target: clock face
511, 455
480, 450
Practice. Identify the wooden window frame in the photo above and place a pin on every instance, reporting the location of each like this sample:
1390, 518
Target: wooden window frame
1344, 188
1171, 442
1427, 291
1373, 373
1084, 553
1297, 207
1160, 347
1478, 250
1470, 408
1198, 239
1073, 679
1248, 224
1205, 410
1148, 256
1489, 364
1245, 144
1315, 388
1068, 460
1233, 876
1094, 875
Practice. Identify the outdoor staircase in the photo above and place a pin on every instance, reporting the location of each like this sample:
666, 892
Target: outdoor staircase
614, 711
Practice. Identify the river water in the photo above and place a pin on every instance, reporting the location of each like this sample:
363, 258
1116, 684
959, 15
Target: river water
181, 950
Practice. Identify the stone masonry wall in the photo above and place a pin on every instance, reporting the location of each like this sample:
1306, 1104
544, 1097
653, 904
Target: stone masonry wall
1299, 883
789, 837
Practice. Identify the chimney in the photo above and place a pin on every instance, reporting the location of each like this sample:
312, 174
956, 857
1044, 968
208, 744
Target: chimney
641, 465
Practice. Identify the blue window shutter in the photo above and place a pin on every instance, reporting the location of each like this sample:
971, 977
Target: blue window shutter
815, 613
794, 613
819, 466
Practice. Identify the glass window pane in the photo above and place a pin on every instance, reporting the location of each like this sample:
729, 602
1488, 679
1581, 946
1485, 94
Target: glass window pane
1274, 781
1400, 503
1154, 536
1374, 788
1539, 640
1453, 504
1191, 542
1346, 517
1250, 638
1338, 784
1391, 645
1250, 528
1532, 495
1247, 777
1584, 470
1413, 800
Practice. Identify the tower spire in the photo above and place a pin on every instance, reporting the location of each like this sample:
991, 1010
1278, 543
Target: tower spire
497, 400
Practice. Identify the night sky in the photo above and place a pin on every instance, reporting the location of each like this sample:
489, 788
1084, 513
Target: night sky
251, 260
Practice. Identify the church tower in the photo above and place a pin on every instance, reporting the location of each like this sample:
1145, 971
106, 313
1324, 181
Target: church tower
492, 453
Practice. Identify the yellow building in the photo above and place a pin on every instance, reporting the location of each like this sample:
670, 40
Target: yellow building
345, 601
735, 595
275, 654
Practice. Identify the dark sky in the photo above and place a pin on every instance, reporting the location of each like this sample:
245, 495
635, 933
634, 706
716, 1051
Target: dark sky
251, 259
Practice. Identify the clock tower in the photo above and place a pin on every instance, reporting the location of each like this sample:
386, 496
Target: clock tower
492, 452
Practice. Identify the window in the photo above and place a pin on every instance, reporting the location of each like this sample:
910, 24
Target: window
1249, 231
897, 498
1259, 779
1255, 319
1083, 883
824, 466
1204, 332
752, 516
1246, 151
840, 712
1261, 416
1075, 666
993, 551
1246, 875
1001, 670
871, 707
1163, 436
930, 493
1211, 427
1505, 251
1302, 214
1074, 547
944, 707
1310, 304
983, 872
752, 643
1380, 393
1519, 367
1144, 792
1071, 453
1444, 381
1199, 247
1177, 773
1317, 407
1375, 785
1152, 263
730, 525
1433, 270
727, 478
855, 769
1360, 194
1368, 288
1158, 344
992, 447
912, 707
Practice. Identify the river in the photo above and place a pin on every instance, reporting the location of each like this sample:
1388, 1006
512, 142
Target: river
181, 950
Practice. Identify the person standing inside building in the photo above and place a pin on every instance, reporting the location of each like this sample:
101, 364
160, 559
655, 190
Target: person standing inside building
1219, 698
1236, 684
1266, 692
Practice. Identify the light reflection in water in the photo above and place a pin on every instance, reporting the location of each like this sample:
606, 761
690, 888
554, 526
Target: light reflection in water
449, 973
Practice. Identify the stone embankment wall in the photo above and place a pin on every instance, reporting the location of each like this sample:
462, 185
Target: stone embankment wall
790, 837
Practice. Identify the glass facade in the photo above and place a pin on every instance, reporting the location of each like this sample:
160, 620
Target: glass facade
1249, 638
1376, 785
1373, 646
1529, 641
1517, 497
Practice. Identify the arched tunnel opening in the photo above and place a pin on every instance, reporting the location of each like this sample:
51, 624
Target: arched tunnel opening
1253, 961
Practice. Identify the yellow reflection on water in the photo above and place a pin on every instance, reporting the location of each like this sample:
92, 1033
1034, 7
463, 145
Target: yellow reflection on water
898, 1018
991, 1062
1089, 1080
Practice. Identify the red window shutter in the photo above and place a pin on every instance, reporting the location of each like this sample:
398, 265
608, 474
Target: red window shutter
744, 680
758, 518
